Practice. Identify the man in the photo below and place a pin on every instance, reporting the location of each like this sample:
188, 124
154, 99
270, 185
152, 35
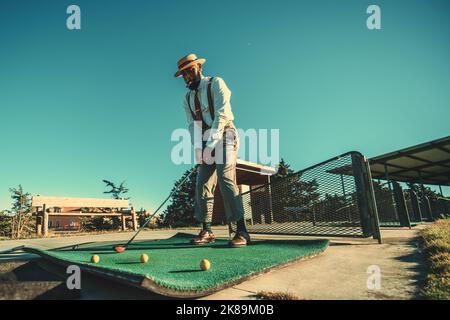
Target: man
215, 139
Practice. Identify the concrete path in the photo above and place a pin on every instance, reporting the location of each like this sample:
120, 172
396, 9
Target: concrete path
341, 272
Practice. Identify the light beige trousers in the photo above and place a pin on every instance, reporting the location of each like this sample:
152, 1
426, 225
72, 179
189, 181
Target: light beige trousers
224, 173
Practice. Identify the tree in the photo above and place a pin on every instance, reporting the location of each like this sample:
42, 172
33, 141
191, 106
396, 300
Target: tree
21, 222
116, 192
426, 190
334, 207
5, 223
284, 170
155, 221
180, 212
292, 196
298, 193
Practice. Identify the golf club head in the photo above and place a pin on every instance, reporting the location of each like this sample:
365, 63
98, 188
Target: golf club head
119, 249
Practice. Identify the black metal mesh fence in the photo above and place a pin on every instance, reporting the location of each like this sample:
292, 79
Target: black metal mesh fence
425, 208
412, 206
385, 201
321, 200
440, 207
418, 207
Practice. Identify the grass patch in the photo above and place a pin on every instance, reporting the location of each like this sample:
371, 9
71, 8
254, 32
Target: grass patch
269, 295
436, 244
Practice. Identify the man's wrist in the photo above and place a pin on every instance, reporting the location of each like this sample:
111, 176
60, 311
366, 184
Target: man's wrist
211, 144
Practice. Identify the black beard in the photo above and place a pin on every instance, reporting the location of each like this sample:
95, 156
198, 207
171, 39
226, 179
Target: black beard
193, 85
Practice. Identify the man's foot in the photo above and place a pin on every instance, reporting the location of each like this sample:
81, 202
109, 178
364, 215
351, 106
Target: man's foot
204, 237
241, 239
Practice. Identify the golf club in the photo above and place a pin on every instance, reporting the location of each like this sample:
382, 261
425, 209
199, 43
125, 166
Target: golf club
119, 248
12, 250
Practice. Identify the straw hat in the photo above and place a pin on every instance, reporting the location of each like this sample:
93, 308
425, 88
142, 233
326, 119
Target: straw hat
186, 62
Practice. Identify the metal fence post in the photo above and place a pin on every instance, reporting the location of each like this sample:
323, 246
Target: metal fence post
415, 205
269, 197
375, 223
361, 193
400, 203
428, 208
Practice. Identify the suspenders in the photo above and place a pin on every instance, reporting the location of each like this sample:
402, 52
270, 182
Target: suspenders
211, 109
210, 99
210, 104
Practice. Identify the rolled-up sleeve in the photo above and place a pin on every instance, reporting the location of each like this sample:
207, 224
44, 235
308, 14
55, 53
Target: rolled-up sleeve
222, 111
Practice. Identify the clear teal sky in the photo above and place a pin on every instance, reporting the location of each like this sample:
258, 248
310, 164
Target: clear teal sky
81, 106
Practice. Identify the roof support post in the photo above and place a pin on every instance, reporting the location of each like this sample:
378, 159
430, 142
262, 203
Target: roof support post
400, 204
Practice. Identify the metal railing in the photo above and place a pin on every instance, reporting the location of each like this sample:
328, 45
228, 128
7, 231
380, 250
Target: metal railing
413, 206
325, 199
440, 207
385, 201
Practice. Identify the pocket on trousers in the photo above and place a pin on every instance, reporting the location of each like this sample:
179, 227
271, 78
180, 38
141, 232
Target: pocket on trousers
230, 139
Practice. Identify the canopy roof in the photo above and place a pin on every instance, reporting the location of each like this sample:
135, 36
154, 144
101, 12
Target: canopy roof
427, 163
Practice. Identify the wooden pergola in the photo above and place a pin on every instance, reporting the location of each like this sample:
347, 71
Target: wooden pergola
249, 175
48, 208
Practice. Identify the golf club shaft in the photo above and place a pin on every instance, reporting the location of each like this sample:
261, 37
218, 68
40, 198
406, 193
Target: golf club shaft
170, 195
12, 250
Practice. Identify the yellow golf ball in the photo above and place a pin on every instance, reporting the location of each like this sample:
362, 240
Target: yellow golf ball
205, 265
144, 258
95, 259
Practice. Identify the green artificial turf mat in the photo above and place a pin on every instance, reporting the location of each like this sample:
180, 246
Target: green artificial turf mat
175, 264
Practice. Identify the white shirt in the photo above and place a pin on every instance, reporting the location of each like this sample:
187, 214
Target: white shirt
222, 109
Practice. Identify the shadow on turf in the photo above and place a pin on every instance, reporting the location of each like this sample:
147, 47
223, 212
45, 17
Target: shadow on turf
179, 241
215, 245
102, 252
185, 271
166, 247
